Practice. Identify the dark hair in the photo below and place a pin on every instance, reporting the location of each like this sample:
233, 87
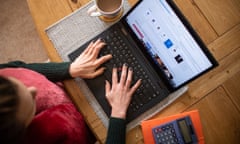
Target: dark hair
11, 129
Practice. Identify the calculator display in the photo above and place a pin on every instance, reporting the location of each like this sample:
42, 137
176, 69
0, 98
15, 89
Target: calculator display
185, 131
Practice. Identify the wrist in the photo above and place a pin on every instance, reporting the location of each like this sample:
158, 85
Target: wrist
118, 113
73, 71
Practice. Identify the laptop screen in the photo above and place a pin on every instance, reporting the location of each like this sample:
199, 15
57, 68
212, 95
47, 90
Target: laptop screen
167, 41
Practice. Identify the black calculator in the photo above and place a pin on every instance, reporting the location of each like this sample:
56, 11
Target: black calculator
179, 131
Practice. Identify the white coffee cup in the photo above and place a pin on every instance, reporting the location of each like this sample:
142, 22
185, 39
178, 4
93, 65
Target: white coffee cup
106, 8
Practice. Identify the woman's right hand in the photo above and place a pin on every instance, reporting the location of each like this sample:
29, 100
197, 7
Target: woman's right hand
88, 65
120, 93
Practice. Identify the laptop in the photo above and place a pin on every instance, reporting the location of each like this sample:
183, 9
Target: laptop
160, 45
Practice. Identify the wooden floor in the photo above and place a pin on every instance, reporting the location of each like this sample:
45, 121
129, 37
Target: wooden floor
216, 94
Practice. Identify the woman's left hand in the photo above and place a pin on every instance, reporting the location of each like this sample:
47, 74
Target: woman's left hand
87, 64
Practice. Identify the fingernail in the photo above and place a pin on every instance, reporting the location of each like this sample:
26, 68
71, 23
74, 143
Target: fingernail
130, 68
114, 65
125, 64
102, 40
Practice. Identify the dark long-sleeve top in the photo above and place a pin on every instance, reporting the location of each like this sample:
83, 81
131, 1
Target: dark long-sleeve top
52, 71
60, 71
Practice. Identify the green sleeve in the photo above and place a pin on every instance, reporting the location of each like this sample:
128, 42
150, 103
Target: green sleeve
53, 71
116, 131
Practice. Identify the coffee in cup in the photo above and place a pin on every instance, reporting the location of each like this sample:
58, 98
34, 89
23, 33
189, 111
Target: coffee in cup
106, 9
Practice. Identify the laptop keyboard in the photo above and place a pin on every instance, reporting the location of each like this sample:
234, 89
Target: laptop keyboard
122, 54
149, 93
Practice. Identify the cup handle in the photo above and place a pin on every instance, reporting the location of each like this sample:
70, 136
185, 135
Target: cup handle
92, 11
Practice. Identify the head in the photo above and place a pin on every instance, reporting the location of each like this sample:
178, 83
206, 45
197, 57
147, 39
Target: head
17, 108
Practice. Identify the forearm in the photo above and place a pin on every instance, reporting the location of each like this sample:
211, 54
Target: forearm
53, 71
116, 131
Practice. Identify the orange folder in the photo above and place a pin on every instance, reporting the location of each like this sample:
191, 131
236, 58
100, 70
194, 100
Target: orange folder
147, 125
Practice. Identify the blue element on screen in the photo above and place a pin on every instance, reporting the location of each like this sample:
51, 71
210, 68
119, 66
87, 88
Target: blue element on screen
148, 46
168, 43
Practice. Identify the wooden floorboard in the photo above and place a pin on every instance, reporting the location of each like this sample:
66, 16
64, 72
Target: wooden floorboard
219, 117
226, 44
197, 20
74, 4
222, 14
232, 87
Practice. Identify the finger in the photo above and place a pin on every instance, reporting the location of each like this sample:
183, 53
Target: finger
88, 48
129, 77
107, 87
98, 72
135, 86
103, 59
97, 42
114, 76
98, 48
124, 74
93, 46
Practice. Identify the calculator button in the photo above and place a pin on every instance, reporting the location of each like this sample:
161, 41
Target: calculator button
165, 135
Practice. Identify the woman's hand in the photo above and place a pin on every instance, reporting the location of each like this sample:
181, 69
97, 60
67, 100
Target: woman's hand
87, 64
120, 94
